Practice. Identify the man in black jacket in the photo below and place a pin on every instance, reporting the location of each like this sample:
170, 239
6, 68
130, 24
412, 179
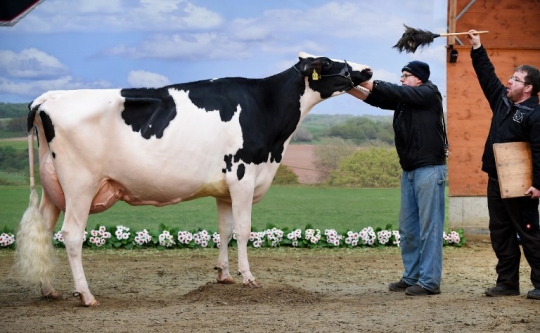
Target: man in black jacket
420, 140
516, 118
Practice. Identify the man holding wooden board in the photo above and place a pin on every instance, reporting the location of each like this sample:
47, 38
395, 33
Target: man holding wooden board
516, 118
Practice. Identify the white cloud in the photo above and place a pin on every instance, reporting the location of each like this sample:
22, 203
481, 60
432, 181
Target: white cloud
142, 78
118, 16
65, 7
184, 47
30, 63
433, 55
275, 31
385, 75
334, 19
199, 17
33, 89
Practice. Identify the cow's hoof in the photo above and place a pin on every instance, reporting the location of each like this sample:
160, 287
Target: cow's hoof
252, 284
228, 280
53, 295
91, 304
220, 279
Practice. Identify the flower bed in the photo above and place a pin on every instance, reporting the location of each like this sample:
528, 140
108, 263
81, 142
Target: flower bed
165, 238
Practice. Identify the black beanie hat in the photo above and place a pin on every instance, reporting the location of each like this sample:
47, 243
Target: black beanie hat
419, 69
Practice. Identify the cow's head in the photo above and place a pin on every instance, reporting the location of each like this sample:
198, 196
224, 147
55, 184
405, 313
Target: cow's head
331, 77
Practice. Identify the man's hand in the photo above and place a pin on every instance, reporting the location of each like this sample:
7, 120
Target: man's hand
474, 38
533, 192
367, 84
359, 92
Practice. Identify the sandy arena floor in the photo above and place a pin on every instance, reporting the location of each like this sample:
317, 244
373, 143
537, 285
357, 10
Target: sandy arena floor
343, 290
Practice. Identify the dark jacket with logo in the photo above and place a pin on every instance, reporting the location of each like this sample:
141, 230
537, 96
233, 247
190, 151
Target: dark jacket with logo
511, 122
418, 122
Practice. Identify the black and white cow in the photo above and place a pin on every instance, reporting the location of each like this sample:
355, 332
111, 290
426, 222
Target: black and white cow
223, 138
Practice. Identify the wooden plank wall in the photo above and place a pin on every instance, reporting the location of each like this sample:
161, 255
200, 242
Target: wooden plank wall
513, 39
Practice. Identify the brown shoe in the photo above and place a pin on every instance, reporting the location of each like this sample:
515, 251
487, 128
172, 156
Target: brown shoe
398, 286
418, 290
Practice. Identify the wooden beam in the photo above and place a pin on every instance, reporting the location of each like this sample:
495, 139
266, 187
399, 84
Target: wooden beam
452, 5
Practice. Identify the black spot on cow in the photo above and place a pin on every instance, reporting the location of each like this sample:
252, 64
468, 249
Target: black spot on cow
48, 126
269, 112
221, 95
241, 171
148, 110
31, 116
228, 163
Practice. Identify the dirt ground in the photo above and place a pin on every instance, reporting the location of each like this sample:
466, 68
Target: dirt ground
300, 158
303, 291
338, 290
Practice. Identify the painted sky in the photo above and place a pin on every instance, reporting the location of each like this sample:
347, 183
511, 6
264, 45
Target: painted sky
67, 44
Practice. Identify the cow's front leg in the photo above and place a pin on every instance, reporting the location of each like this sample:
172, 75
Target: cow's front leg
225, 227
242, 198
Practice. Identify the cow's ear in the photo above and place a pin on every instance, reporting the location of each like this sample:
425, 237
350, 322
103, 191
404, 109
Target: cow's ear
313, 68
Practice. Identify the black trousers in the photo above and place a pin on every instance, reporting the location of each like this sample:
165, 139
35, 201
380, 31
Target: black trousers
508, 217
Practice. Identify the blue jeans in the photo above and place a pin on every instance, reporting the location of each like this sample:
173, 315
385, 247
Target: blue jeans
421, 225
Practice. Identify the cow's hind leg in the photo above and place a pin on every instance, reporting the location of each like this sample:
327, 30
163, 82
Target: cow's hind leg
76, 217
50, 215
225, 227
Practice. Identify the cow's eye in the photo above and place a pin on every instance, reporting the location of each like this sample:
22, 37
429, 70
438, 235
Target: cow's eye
327, 64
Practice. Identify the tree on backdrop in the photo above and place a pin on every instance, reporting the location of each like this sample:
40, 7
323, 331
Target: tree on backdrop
329, 153
374, 167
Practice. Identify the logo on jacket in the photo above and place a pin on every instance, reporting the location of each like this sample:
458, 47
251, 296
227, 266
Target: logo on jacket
518, 116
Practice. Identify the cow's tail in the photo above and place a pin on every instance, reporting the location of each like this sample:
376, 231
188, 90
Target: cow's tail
34, 256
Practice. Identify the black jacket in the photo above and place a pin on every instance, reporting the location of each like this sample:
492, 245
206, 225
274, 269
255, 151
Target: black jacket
418, 122
510, 122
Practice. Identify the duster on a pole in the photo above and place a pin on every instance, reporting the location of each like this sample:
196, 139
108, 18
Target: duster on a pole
413, 38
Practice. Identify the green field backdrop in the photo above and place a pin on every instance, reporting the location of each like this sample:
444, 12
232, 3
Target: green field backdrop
284, 206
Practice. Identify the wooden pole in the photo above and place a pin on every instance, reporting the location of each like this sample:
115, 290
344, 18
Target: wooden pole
452, 6
450, 34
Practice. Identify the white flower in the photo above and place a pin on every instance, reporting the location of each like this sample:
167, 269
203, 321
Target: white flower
59, 237
142, 237
295, 235
166, 239
275, 236
216, 238
332, 237
6, 239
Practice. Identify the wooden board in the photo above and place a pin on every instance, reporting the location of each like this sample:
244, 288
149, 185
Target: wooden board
514, 167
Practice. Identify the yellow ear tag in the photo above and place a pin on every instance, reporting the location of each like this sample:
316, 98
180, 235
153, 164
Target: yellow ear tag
315, 75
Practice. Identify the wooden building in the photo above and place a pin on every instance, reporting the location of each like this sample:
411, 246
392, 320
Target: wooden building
513, 39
